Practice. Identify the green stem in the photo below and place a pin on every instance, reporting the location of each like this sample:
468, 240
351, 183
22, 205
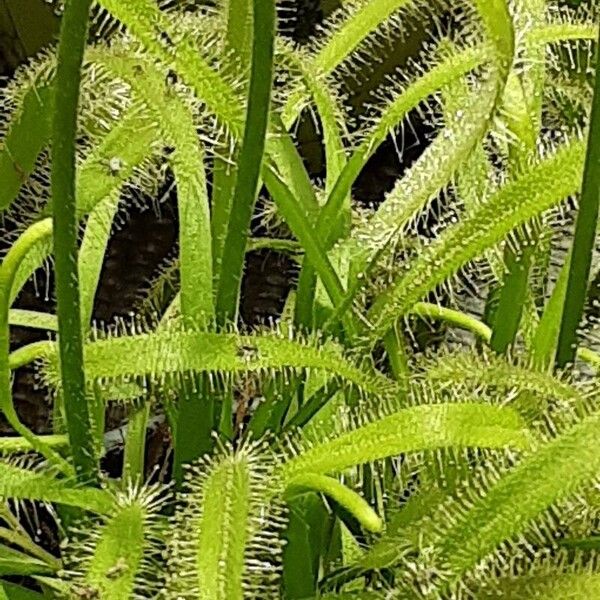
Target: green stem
8, 271
63, 177
25, 355
251, 157
16, 444
585, 237
344, 496
454, 317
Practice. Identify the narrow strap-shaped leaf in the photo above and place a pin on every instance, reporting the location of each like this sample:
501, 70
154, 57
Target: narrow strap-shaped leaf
135, 443
28, 134
177, 127
13, 591
28, 484
223, 524
8, 270
32, 319
173, 353
130, 142
112, 559
550, 474
14, 563
250, 159
18, 444
353, 31
238, 43
481, 330
148, 24
92, 251
584, 240
328, 111
562, 32
542, 187
434, 169
470, 369
545, 341
514, 290
551, 585
450, 68
428, 310
426, 427
304, 232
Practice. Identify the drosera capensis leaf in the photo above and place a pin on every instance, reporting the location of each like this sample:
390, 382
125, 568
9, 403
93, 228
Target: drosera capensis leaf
353, 31
545, 341
544, 186
177, 128
425, 427
24, 483
32, 319
28, 135
172, 353
327, 104
431, 173
112, 558
548, 475
231, 551
132, 141
449, 68
556, 577
91, 254
488, 371
8, 271
145, 21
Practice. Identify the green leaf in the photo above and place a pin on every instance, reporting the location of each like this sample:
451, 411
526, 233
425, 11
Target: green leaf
343, 495
146, 22
250, 159
549, 586
221, 528
426, 427
543, 186
584, 240
19, 317
27, 484
28, 134
111, 558
132, 141
14, 562
478, 372
545, 341
434, 170
91, 253
177, 127
16, 592
71, 46
449, 68
551, 474
175, 353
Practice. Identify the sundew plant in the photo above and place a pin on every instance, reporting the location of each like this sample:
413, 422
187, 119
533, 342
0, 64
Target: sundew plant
421, 420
